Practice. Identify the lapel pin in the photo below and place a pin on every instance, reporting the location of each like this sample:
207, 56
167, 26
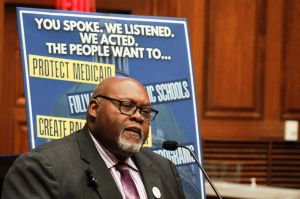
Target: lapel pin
156, 192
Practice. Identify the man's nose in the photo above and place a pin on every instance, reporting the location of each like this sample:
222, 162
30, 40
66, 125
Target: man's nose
137, 115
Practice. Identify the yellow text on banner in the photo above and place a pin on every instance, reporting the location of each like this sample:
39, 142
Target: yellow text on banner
69, 70
57, 127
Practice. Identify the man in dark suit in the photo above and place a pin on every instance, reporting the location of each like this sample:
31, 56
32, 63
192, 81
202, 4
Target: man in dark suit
85, 164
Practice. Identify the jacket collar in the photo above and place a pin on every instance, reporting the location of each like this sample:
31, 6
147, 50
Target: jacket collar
149, 174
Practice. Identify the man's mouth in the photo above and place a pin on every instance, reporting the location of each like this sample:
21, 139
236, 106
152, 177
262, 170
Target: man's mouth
134, 130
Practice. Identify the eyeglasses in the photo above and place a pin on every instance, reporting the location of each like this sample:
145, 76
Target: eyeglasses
129, 108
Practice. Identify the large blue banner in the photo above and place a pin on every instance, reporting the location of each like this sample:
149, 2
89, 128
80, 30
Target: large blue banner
65, 54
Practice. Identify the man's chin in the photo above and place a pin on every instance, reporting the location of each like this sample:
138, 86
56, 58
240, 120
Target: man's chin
129, 146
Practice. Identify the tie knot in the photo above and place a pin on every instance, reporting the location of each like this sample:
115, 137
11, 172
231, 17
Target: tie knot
121, 167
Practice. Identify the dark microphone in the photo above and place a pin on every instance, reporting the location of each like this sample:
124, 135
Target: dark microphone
171, 145
92, 180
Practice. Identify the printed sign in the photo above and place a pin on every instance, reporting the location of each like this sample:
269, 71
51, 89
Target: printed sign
65, 54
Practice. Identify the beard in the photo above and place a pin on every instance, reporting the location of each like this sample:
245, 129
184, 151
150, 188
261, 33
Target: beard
128, 146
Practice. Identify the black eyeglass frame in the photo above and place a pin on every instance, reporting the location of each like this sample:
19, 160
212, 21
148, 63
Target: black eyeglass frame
136, 107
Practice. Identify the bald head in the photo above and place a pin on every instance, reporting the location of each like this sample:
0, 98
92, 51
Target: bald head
114, 84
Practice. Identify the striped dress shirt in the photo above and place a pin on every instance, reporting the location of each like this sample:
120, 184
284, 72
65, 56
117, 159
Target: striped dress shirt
110, 161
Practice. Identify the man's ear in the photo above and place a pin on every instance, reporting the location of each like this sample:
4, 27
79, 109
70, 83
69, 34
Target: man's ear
92, 108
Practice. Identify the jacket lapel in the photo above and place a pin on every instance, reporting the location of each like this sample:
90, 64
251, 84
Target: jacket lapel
105, 186
150, 176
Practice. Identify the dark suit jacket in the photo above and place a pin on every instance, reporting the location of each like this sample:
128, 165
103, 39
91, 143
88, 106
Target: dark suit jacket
58, 170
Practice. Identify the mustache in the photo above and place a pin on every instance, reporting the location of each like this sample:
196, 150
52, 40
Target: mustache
137, 130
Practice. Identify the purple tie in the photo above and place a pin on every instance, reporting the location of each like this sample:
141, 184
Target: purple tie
127, 181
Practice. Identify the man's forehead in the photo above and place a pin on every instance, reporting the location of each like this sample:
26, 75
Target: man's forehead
121, 87
117, 83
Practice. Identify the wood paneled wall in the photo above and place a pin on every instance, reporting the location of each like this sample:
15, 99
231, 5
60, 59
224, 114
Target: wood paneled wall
246, 56
248, 82
291, 61
234, 59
